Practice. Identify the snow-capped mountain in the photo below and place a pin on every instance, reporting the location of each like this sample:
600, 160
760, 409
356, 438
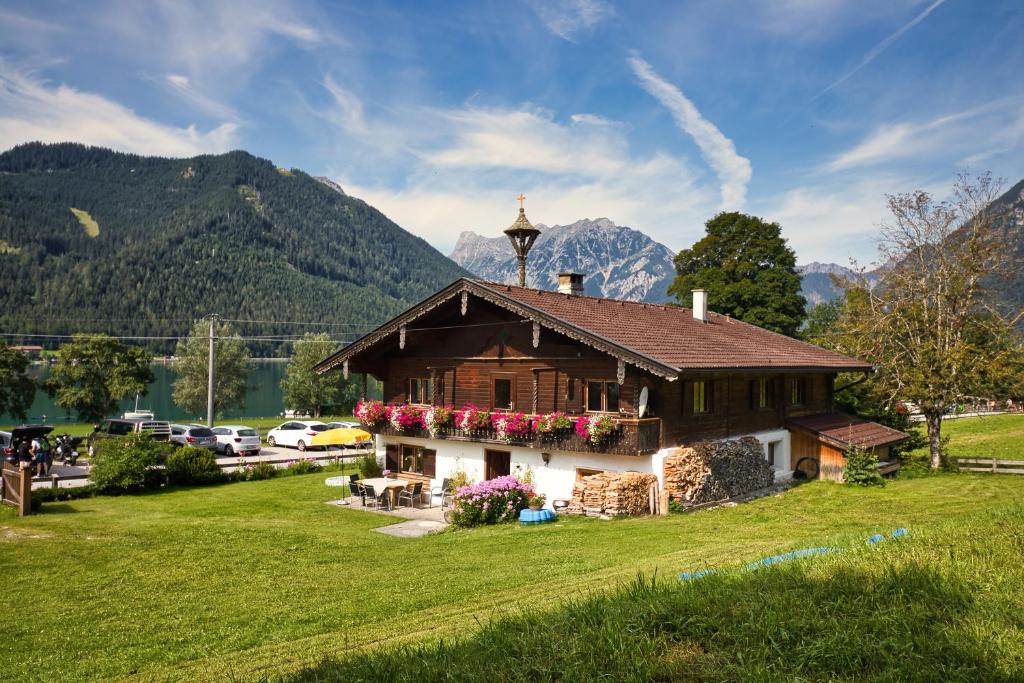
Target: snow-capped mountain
619, 262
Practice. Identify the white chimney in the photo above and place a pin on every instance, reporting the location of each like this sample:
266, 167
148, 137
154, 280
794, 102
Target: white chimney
700, 305
570, 283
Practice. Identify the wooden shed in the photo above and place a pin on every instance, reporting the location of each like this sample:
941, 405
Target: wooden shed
827, 438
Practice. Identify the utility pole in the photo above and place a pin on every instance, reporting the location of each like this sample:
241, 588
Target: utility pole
211, 372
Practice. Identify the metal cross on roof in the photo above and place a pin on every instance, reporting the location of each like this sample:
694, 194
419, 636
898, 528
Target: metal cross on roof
521, 198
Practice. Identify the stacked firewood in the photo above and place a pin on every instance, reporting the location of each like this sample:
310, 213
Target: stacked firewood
717, 470
612, 494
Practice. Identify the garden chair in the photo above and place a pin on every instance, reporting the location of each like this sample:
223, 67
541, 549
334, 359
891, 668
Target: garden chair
357, 491
412, 496
354, 476
442, 491
376, 500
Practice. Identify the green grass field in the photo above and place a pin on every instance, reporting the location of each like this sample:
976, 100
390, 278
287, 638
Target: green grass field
244, 580
991, 436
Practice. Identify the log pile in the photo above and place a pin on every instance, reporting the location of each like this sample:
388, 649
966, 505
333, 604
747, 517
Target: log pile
613, 494
717, 470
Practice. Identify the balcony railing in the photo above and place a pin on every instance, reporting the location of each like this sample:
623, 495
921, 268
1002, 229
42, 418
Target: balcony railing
632, 436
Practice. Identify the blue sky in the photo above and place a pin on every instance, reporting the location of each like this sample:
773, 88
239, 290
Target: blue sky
654, 115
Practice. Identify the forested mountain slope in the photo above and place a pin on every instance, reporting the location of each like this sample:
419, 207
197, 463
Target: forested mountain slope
92, 239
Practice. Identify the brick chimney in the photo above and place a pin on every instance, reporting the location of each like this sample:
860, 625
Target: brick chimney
570, 283
700, 305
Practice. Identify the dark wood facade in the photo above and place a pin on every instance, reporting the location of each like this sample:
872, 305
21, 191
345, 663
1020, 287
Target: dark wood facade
486, 356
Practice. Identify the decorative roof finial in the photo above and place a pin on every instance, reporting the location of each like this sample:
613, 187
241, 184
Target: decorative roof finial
522, 234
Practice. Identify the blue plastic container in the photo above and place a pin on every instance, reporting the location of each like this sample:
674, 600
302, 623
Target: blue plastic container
529, 516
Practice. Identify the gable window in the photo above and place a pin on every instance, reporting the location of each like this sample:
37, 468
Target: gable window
798, 391
419, 390
602, 397
502, 393
762, 393
702, 397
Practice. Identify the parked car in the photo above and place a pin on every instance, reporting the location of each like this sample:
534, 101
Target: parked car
114, 427
193, 435
343, 423
232, 439
9, 439
296, 434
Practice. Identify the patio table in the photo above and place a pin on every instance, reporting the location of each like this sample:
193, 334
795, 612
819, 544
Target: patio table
390, 486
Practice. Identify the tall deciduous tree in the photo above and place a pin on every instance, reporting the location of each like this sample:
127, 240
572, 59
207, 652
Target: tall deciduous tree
748, 271
930, 325
94, 373
307, 391
16, 388
192, 362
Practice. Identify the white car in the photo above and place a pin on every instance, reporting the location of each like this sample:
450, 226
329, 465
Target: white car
343, 423
232, 439
296, 434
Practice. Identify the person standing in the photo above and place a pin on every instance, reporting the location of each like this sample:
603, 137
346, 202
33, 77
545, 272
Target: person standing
41, 456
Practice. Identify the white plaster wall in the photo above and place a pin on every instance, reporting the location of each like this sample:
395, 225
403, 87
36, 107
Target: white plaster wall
554, 480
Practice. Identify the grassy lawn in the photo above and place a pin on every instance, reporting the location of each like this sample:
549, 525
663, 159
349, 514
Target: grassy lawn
989, 436
242, 579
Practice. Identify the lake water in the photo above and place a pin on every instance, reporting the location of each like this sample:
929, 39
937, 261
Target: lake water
264, 399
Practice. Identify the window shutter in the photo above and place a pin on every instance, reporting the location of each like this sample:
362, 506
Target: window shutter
429, 456
709, 396
686, 405
753, 393
392, 457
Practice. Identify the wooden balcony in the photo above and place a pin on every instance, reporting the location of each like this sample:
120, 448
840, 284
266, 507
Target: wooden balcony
632, 437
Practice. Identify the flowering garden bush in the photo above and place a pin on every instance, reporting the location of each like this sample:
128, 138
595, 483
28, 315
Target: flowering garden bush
511, 426
437, 418
404, 416
471, 418
552, 424
595, 429
370, 413
490, 502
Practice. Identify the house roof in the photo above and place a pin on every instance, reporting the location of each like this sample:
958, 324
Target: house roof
664, 340
844, 431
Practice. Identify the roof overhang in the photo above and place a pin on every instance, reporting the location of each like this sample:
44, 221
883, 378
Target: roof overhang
480, 290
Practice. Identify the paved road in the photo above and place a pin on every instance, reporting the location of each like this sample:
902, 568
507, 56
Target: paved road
74, 476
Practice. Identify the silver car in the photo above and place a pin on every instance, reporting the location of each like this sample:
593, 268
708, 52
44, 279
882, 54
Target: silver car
232, 439
193, 435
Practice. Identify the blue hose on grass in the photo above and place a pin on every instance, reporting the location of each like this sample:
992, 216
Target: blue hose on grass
792, 555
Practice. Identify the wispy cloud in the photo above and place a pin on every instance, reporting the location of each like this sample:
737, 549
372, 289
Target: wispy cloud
568, 18
936, 137
872, 54
31, 109
733, 170
182, 86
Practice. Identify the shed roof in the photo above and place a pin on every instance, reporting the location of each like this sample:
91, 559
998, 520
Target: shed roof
844, 431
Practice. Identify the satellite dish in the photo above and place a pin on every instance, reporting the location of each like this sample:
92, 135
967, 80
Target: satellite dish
643, 402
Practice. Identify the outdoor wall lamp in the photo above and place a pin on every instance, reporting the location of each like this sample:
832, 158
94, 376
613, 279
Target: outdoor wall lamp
546, 457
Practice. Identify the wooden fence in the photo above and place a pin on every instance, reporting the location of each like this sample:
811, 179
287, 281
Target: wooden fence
993, 465
17, 488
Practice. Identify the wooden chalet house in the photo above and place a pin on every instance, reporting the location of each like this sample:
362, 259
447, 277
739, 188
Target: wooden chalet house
667, 377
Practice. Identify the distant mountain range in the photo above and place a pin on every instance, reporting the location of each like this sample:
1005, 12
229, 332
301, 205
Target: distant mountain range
95, 240
619, 262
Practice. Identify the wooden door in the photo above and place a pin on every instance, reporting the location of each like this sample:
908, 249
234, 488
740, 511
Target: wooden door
497, 464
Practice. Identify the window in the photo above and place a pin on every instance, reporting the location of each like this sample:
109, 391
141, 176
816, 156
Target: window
771, 452
585, 472
798, 391
602, 397
503, 394
418, 460
762, 393
702, 397
419, 390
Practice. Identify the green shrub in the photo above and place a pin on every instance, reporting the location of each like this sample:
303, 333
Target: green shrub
862, 468
190, 466
260, 471
120, 465
369, 468
303, 467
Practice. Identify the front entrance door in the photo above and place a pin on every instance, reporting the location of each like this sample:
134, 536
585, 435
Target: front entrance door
497, 464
